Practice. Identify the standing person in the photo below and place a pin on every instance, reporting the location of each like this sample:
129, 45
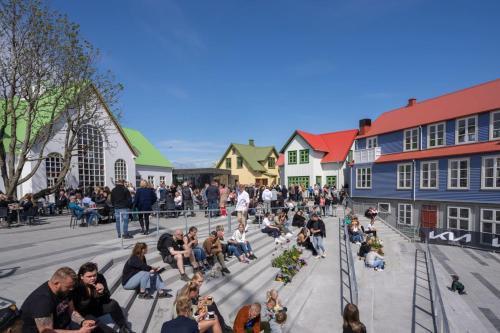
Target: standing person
224, 195
92, 299
187, 198
49, 307
121, 200
212, 193
242, 205
352, 324
144, 199
318, 231
267, 197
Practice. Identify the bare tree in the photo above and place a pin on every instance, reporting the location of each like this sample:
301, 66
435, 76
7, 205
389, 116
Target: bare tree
49, 82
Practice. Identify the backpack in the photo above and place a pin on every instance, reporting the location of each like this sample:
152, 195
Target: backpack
186, 193
161, 241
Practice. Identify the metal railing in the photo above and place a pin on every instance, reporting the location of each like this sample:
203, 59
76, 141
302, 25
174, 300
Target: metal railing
367, 155
439, 312
353, 283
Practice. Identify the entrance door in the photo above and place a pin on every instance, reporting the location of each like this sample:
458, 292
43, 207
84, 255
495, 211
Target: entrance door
429, 216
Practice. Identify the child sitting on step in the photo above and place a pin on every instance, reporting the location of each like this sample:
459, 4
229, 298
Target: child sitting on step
456, 285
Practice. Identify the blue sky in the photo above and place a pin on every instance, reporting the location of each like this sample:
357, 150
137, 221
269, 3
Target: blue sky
201, 74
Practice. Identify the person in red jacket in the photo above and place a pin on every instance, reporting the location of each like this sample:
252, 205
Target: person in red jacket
248, 320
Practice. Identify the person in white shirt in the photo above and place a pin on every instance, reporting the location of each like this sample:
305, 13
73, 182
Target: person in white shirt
269, 228
239, 237
267, 196
370, 229
242, 205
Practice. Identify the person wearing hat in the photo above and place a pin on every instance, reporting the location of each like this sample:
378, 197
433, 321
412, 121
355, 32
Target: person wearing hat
318, 231
10, 320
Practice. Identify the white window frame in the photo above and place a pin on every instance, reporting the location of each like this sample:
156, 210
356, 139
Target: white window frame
422, 185
151, 182
495, 228
410, 131
476, 133
121, 170
381, 210
458, 218
492, 114
162, 180
359, 178
405, 187
371, 142
496, 165
405, 211
436, 139
450, 161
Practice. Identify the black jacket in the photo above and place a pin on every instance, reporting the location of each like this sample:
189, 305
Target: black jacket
120, 197
321, 226
133, 265
91, 304
212, 193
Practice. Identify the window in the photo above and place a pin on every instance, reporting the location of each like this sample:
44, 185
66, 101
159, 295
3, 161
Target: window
228, 163
466, 130
490, 224
292, 157
90, 157
304, 156
405, 214
239, 162
331, 181
458, 218
429, 174
371, 142
349, 156
120, 170
384, 207
458, 174
138, 181
495, 125
364, 178
162, 179
318, 180
435, 135
411, 139
491, 172
405, 176
299, 180
53, 167
271, 163
151, 180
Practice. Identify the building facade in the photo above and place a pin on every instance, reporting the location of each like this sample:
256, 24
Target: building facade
250, 164
434, 163
321, 159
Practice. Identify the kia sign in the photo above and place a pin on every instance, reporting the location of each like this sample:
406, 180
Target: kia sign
461, 238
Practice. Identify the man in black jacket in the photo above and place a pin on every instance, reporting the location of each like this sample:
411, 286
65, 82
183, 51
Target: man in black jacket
318, 231
121, 201
212, 193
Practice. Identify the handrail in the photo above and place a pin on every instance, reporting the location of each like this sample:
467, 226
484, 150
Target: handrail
439, 312
353, 283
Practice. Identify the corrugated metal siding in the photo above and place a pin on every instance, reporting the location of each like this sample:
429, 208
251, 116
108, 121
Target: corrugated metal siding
391, 142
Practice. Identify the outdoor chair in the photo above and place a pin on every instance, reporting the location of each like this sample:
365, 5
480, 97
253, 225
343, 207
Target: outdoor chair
74, 219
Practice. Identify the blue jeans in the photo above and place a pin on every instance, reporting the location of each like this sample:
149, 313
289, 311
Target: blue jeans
199, 254
142, 280
357, 237
213, 205
233, 249
92, 215
317, 242
124, 217
245, 247
378, 263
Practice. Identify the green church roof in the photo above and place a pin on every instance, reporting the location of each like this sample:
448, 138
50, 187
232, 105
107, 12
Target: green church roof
148, 154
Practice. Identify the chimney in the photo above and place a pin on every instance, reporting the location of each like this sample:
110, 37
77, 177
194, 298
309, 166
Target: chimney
251, 142
411, 101
364, 125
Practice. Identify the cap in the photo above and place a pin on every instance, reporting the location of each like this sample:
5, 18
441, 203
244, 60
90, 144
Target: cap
8, 316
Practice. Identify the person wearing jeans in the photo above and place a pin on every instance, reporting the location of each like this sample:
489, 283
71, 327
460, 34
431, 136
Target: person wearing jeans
121, 200
375, 260
318, 231
122, 215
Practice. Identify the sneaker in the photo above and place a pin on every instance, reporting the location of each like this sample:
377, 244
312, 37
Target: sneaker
317, 257
253, 257
145, 295
225, 270
289, 235
282, 239
164, 294
128, 236
323, 255
358, 243
184, 277
276, 241
380, 269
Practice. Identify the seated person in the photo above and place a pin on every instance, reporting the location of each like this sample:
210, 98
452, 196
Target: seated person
61, 201
456, 285
304, 239
239, 236
92, 299
10, 320
26, 203
213, 248
273, 316
269, 228
355, 232
371, 229
298, 219
174, 253
364, 248
138, 274
234, 250
248, 320
183, 323
199, 308
191, 242
49, 307
375, 260
81, 212
283, 224
352, 324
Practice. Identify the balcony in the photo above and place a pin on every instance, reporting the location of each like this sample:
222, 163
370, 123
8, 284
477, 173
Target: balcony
367, 155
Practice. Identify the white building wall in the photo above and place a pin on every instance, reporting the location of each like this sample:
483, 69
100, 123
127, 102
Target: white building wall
144, 171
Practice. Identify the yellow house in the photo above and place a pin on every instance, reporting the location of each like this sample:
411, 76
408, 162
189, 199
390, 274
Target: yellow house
250, 164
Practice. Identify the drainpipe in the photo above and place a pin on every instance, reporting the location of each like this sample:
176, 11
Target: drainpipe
414, 180
350, 180
420, 137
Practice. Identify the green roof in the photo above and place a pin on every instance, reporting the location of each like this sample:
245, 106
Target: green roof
252, 155
147, 153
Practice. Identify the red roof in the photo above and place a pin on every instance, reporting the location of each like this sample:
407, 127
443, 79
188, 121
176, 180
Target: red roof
335, 145
480, 98
281, 160
473, 148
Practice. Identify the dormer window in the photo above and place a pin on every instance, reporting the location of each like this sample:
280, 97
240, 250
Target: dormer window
466, 130
371, 142
411, 139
